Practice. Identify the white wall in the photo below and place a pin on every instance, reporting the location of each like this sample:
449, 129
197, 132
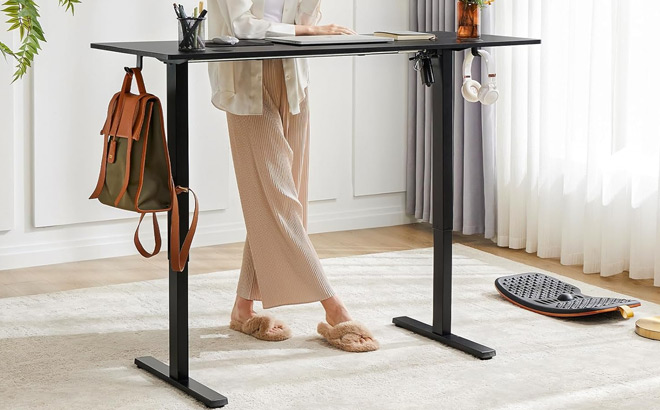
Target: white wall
55, 113
6, 140
380, 100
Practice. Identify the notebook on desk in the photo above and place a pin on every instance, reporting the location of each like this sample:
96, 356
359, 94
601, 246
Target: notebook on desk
405, 35
329, 39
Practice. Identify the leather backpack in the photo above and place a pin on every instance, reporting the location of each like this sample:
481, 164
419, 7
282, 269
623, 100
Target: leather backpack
136, 174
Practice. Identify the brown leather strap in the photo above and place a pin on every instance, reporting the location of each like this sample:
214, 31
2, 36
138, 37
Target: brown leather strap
116, 117
138, 244
139, 80
108, 123
111, 111
126, 86
127, 172
101, 181
179, 257
125, 89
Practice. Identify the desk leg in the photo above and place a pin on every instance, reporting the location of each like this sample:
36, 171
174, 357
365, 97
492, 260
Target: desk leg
177, 132
443, 135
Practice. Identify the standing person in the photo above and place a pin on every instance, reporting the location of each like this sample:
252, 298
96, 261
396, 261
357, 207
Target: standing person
268, 120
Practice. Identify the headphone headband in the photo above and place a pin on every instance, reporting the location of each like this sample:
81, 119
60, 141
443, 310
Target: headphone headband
467, 63
489, 60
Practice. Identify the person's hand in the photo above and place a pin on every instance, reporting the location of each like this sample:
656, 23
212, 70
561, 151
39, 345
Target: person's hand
330, 29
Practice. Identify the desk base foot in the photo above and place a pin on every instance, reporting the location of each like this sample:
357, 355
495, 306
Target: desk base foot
191, 387
475, 349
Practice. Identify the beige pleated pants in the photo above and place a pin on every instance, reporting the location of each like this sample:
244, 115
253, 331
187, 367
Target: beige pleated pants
271, 160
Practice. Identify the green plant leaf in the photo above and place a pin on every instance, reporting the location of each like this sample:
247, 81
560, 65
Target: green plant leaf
6, 51
24, 16
38, 32
69, 4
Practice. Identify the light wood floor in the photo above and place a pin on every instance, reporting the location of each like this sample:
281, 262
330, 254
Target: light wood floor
52, 278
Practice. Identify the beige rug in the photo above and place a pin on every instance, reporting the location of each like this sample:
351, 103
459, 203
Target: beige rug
75, 349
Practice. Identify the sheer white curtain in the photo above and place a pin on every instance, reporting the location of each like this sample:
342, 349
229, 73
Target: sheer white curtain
578, 133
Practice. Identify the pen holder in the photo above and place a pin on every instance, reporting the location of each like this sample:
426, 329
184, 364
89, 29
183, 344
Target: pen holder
192, 32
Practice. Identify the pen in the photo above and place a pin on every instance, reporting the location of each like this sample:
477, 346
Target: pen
197, 22
188, 37
184, 26
199, 18
187, 28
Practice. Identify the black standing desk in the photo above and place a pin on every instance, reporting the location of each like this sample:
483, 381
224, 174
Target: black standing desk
442, 52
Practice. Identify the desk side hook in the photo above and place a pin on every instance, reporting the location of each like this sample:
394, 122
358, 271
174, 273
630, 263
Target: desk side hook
138, 64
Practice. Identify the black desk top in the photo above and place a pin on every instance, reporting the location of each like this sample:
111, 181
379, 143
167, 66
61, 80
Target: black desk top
167, 51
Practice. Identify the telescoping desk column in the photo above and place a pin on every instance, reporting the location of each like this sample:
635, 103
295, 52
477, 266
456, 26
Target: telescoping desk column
442, 52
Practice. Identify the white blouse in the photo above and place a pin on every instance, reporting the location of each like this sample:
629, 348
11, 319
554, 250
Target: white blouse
236, 86
273, 10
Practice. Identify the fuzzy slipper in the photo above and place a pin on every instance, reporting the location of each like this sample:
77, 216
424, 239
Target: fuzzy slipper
261, 327
350, 336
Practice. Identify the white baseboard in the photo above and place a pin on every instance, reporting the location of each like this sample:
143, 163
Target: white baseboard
47, 253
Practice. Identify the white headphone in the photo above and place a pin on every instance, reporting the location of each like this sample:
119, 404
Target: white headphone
473, 91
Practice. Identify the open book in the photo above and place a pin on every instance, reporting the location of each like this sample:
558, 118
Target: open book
405, 35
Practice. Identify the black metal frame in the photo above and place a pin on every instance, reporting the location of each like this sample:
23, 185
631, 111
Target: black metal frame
443, 203
441, 49
177, 373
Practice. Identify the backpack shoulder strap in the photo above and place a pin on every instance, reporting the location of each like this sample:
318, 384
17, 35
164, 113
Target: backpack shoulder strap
179, 255
138, 244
